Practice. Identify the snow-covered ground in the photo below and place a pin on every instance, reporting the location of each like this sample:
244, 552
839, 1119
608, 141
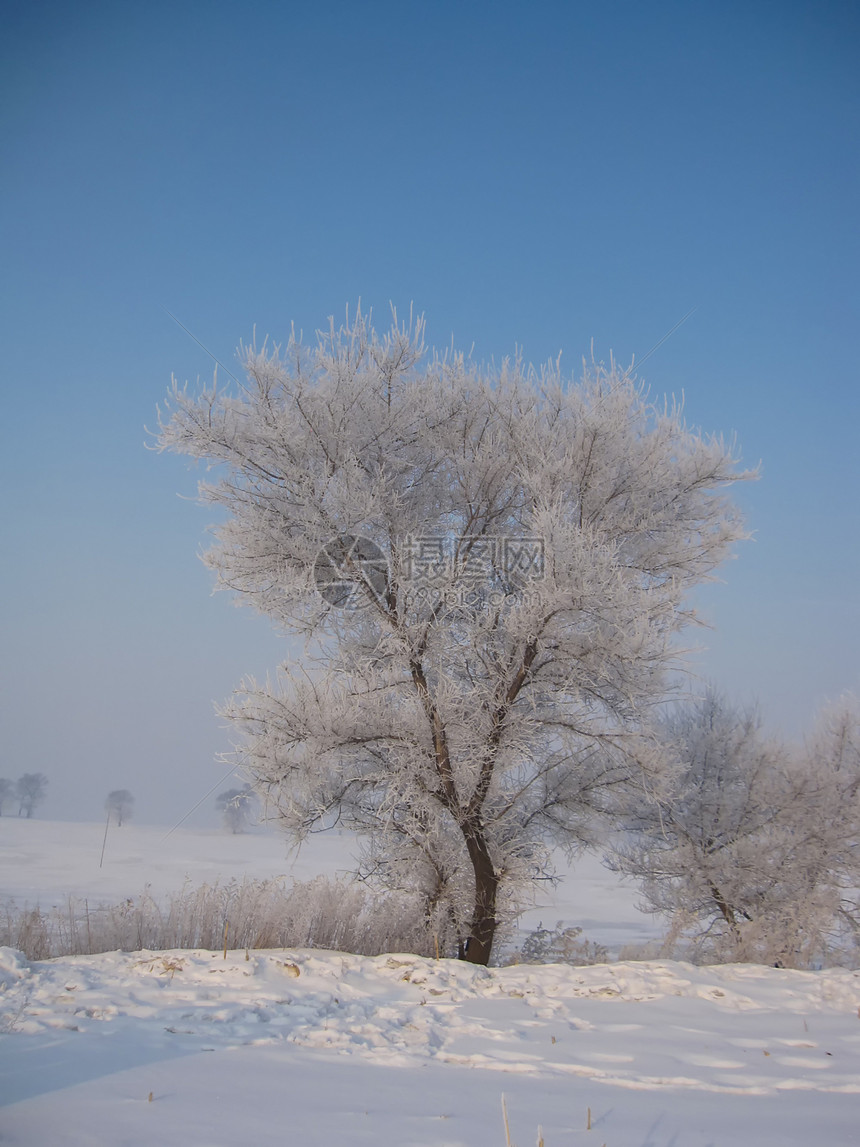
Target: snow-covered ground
46, 861
300, 1047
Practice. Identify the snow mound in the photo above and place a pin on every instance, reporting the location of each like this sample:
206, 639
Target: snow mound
13, 965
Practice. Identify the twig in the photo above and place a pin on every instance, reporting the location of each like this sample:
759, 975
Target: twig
505, 1117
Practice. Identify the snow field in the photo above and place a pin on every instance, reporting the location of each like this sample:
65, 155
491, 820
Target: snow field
92, 1029
297, 1047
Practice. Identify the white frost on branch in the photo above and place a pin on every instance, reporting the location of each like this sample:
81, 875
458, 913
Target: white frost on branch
463, 722
752, 851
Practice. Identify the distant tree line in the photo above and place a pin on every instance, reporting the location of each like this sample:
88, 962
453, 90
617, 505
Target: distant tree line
28, 792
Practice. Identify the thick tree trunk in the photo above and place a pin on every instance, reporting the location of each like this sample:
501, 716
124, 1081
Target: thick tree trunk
479, 945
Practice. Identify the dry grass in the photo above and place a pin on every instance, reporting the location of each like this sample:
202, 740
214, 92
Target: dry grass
322, 913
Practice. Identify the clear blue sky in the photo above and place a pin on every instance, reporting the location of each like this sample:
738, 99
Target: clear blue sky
541, 176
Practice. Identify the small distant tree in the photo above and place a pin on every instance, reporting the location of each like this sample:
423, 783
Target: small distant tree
7, 792
120, 805
237, 807
30, 791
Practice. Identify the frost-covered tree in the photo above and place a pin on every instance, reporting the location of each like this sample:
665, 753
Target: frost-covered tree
237, 807
830, 826
7, 791
30, 791
120, 805
752, 853
489, 567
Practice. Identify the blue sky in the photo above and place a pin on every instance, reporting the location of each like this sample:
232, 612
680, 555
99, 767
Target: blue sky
542, 176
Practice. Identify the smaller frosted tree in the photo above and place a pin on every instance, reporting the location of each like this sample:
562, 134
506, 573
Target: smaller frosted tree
30, 791
237, 807
830, 824
120, 805
753, 852
7, 791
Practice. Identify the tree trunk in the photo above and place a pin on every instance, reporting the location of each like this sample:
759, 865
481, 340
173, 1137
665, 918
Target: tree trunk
726, 911
479, 945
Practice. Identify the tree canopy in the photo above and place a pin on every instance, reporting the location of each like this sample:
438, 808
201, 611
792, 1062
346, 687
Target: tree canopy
489, 565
